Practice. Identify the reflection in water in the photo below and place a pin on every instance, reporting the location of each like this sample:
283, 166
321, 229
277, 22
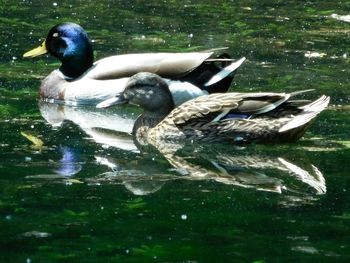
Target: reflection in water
224, 166
103, 126
70, 163
254, 172
139, 182
299, 183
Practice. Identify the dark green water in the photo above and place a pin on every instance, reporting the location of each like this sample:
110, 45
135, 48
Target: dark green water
82, 199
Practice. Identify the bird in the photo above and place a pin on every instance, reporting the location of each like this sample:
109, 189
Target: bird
255, 117
80, 80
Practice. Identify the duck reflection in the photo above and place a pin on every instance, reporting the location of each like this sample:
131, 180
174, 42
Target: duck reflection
262, 172
70, 163
273, 174
110, 128
152, 167
64, 163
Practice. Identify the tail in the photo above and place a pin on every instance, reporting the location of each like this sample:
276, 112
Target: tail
225, 72
215, 74
309, 112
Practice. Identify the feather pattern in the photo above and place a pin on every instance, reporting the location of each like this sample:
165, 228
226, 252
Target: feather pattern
81, 81
236, 117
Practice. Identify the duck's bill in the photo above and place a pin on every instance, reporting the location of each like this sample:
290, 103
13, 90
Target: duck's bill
119, 100
40, 50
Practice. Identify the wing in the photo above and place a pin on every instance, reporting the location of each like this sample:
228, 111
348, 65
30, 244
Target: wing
216, 106
163, 64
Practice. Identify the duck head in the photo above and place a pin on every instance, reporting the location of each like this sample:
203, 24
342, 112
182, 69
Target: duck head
146, 90
69, 43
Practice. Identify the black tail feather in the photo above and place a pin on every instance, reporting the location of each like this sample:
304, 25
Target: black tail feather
202, 74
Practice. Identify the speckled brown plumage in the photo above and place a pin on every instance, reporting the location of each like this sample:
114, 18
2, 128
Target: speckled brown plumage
234, 117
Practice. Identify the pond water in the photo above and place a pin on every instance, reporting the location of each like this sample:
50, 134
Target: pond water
89, 195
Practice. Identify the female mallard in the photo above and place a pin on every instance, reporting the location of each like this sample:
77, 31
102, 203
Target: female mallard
80, 81
237, 117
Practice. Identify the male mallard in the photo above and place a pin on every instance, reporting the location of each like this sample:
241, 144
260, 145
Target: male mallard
80, 81
237, 117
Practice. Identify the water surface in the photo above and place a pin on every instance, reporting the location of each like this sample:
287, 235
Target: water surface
89, 194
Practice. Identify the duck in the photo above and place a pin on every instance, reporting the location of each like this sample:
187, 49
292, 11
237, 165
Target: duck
253, 117
80, 80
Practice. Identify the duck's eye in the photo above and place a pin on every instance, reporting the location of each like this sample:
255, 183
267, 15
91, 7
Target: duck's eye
55, 34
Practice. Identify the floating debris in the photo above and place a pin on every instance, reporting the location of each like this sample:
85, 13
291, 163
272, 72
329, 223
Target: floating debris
38, 144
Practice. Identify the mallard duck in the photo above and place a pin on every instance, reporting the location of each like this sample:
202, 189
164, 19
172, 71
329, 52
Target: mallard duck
237, 117
81, 81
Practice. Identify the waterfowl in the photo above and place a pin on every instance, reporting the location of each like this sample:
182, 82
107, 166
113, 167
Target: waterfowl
236, 117
81, 81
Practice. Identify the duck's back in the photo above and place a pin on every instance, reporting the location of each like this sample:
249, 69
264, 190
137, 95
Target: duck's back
164, 64
239, 117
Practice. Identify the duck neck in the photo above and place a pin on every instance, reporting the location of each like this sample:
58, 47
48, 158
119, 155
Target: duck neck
150, 119
75, 66
147, 121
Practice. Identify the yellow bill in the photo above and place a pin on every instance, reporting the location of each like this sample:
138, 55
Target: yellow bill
40, 50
